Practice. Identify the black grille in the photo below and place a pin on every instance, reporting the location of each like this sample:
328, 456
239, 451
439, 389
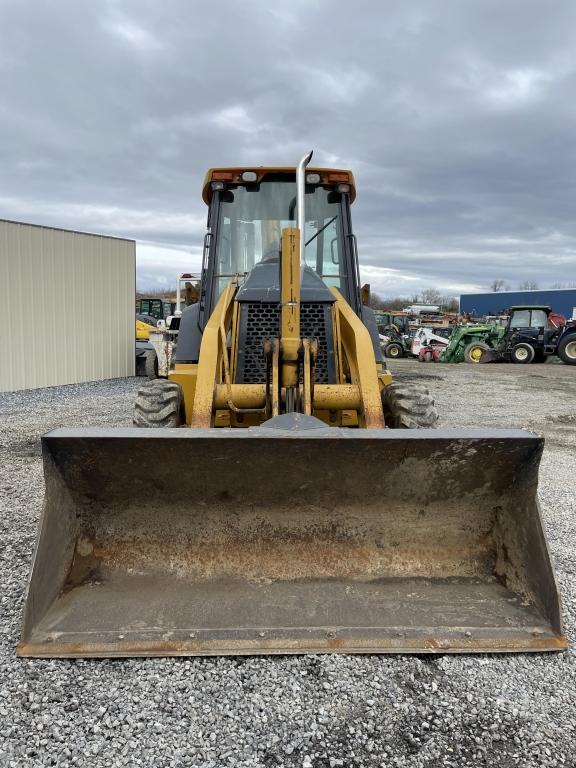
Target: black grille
262, 321
313, 320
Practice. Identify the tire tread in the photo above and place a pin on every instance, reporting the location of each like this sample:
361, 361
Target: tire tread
159, 404
409, 406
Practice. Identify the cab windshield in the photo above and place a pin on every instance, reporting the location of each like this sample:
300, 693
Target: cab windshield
250, 228
528, 318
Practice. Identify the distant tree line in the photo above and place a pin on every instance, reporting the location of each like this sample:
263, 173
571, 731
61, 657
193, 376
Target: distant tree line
155, 293
451, 303
428, 296
163, 293
496, 286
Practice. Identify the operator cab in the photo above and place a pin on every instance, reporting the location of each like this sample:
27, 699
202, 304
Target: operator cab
248, 209
528, 317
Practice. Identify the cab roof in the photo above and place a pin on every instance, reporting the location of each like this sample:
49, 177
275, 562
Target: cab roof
328, 177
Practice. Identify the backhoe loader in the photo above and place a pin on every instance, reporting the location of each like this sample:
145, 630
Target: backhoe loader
279, 492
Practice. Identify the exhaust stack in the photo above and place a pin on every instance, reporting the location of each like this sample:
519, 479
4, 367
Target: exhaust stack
300, 202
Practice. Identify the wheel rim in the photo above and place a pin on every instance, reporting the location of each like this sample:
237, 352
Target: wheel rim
476, 354
570, 350
521, 354
393, 352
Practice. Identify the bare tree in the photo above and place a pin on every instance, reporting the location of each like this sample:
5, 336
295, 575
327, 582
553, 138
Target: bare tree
498, 285
397, 303
431, 296
160, 293
528, 285
450, 304
376, 302
571, 284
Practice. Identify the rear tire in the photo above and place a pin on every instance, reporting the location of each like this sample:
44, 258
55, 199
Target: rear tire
159, 404
152, 364
473, 352
408, 407
567, 349
393, 350
522, 353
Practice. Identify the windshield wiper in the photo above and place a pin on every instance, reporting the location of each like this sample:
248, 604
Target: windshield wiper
321, 230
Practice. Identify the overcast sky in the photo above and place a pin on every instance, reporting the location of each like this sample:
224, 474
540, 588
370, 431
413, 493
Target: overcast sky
457, 117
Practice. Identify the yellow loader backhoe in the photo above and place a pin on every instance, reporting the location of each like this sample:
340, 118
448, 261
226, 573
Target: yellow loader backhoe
279, 493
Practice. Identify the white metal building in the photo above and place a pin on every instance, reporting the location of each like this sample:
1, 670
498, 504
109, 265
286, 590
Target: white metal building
67, 306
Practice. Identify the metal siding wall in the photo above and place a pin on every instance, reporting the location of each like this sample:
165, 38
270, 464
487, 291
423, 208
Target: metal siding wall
561, 300
68, 301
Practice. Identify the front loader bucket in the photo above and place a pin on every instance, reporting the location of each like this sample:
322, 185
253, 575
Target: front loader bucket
489, 356
290, 540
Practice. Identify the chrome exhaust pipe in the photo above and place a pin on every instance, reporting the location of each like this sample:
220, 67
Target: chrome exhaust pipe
300, 205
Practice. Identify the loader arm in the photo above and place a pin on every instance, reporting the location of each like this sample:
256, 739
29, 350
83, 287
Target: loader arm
291, 382
357, 351
214, 363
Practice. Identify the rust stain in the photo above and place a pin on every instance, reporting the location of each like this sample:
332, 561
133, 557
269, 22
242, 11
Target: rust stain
288, 560
298, 544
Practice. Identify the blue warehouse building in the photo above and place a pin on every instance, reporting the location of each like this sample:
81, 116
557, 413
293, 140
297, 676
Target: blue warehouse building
562, 301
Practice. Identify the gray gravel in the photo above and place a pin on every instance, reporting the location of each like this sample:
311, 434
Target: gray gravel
319, 711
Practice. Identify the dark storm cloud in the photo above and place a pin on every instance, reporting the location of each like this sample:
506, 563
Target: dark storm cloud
457, 117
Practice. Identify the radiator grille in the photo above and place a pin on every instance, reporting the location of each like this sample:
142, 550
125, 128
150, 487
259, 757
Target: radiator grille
262, 321
313, 326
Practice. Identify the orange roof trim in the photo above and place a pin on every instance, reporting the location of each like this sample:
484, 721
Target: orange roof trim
329, 176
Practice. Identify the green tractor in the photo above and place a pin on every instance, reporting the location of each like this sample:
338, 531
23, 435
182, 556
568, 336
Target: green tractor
527, 336
468, 343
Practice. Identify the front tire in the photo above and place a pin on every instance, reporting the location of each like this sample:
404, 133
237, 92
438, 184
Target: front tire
159, 404
567, 349
408, 407
522, 353
393, 350
474, 350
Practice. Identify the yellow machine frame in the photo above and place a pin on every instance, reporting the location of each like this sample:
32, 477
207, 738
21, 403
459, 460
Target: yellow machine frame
212, 399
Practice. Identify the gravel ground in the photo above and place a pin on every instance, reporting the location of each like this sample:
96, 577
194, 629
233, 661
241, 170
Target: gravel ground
320, 711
